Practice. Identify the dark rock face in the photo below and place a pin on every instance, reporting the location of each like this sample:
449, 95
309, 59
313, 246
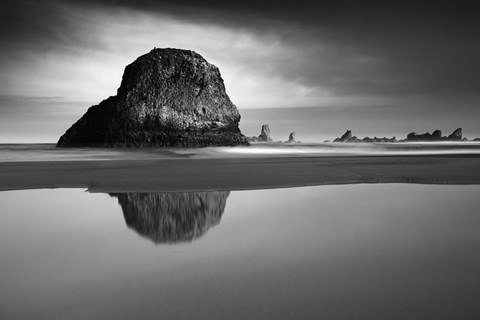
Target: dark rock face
168, 97
435, 136
375, 139
413, 136
291, 137
456, 135
348, 137
172, 217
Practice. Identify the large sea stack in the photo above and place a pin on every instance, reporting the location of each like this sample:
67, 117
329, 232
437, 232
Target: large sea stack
168, 98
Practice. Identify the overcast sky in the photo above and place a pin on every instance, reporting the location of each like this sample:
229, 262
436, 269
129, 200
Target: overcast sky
57, 58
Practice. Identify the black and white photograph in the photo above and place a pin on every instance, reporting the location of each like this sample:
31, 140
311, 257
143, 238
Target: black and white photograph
214, 159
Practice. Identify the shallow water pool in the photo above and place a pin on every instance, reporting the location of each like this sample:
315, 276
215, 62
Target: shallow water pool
382, 251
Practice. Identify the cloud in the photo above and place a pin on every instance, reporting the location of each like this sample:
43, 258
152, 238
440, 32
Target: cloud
287, 54
60, 57
88, 64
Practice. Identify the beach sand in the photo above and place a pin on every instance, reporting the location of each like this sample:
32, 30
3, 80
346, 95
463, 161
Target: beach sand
237, 173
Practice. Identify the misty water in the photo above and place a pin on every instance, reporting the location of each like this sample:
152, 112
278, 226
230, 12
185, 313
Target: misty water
380, 251
48, 151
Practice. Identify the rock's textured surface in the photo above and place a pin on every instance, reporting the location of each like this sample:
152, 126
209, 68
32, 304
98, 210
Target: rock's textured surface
168, 97
172, 217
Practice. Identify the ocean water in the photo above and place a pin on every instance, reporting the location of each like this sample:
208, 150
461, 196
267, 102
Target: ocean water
381, 251
48, 152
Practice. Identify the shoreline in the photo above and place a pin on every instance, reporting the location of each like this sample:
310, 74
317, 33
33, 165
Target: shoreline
190, 174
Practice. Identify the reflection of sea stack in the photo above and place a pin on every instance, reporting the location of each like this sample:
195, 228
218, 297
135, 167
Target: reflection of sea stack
168, 97
172, 217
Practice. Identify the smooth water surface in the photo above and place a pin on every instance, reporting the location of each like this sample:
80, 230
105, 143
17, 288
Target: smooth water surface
378, 251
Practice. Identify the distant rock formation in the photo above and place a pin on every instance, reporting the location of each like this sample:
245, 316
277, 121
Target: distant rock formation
348, 137
169, 98
383, 140
172, 217
435, 136
264, 135
291, 137
456, 135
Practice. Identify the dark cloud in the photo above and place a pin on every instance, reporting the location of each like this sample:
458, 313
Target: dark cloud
371, 47
23, 23
379, 18
348, 47
374, 20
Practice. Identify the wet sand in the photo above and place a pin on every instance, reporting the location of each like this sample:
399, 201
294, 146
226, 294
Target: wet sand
237, 173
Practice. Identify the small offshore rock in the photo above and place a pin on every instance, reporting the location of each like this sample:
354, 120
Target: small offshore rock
456, 135
291, 137
265, 133
346, 137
